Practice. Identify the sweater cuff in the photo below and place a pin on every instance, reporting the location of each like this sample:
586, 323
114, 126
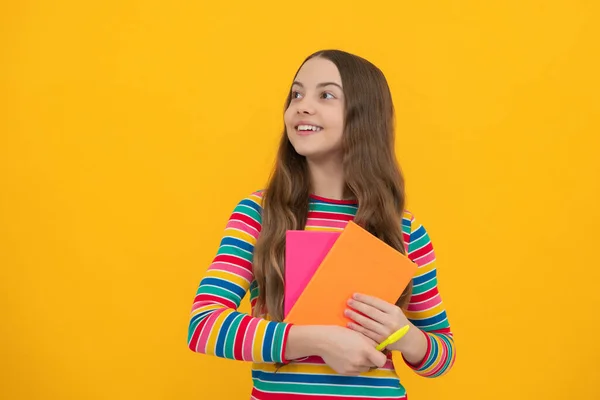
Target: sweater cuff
421, 366
286, 333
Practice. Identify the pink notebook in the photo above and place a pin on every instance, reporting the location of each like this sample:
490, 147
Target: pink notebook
304, 252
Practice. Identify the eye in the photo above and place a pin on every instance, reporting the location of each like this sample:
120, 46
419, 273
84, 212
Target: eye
295, 94
325, 94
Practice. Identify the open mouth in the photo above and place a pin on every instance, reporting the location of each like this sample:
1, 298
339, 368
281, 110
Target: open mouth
308, 128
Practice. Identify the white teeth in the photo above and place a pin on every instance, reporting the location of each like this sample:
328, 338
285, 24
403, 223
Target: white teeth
308, 128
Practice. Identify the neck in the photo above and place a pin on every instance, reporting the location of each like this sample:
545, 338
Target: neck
327, 178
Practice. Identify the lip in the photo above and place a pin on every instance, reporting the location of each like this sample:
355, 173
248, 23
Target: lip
305, 133
305, 122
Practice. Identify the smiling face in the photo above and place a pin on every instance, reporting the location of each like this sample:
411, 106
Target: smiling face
314, 120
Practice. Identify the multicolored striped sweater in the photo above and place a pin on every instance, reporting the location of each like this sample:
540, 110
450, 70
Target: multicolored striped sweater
217, 328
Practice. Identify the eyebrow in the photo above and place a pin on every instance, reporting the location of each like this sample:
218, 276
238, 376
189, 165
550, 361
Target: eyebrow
322, 84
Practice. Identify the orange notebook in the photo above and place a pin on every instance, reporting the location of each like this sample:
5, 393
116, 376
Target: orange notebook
358, 262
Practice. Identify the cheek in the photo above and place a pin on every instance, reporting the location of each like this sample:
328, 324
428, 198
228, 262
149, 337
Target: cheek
337, 122
338, 133
287, 116
336, 116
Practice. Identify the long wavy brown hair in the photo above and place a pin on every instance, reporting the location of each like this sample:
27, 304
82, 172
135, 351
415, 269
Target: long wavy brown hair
371, 173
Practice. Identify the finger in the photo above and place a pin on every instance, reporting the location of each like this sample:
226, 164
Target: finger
375, 302
366, 322
367, 310
366, 368
373, 338
377, 358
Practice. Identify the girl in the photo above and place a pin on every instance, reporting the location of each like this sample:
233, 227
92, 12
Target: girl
335, 163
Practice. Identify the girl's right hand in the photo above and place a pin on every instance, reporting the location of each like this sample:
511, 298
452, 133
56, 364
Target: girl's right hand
349, 352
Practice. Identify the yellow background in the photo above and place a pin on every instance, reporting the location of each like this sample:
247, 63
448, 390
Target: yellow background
129, 131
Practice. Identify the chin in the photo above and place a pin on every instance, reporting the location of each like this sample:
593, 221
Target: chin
305, 152
315, 154
313, 149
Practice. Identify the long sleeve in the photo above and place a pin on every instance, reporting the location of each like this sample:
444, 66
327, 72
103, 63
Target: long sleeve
216, 327
426, 309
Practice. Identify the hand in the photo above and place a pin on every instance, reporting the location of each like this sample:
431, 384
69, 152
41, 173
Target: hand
348, 352
379, 320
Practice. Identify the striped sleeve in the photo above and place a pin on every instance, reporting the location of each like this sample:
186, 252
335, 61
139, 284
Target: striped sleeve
215, 326
426, 309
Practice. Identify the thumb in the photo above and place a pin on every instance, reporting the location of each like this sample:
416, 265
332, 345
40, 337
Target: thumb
377, 358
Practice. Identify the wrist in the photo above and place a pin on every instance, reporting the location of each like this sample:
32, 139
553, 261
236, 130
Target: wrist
305, 341
413, 345
413, 339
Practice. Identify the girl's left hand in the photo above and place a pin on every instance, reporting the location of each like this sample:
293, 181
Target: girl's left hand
379, 320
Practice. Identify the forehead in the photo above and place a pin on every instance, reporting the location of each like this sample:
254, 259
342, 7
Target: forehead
317, 70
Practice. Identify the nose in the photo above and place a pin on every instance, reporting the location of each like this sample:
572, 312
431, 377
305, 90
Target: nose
305, 106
